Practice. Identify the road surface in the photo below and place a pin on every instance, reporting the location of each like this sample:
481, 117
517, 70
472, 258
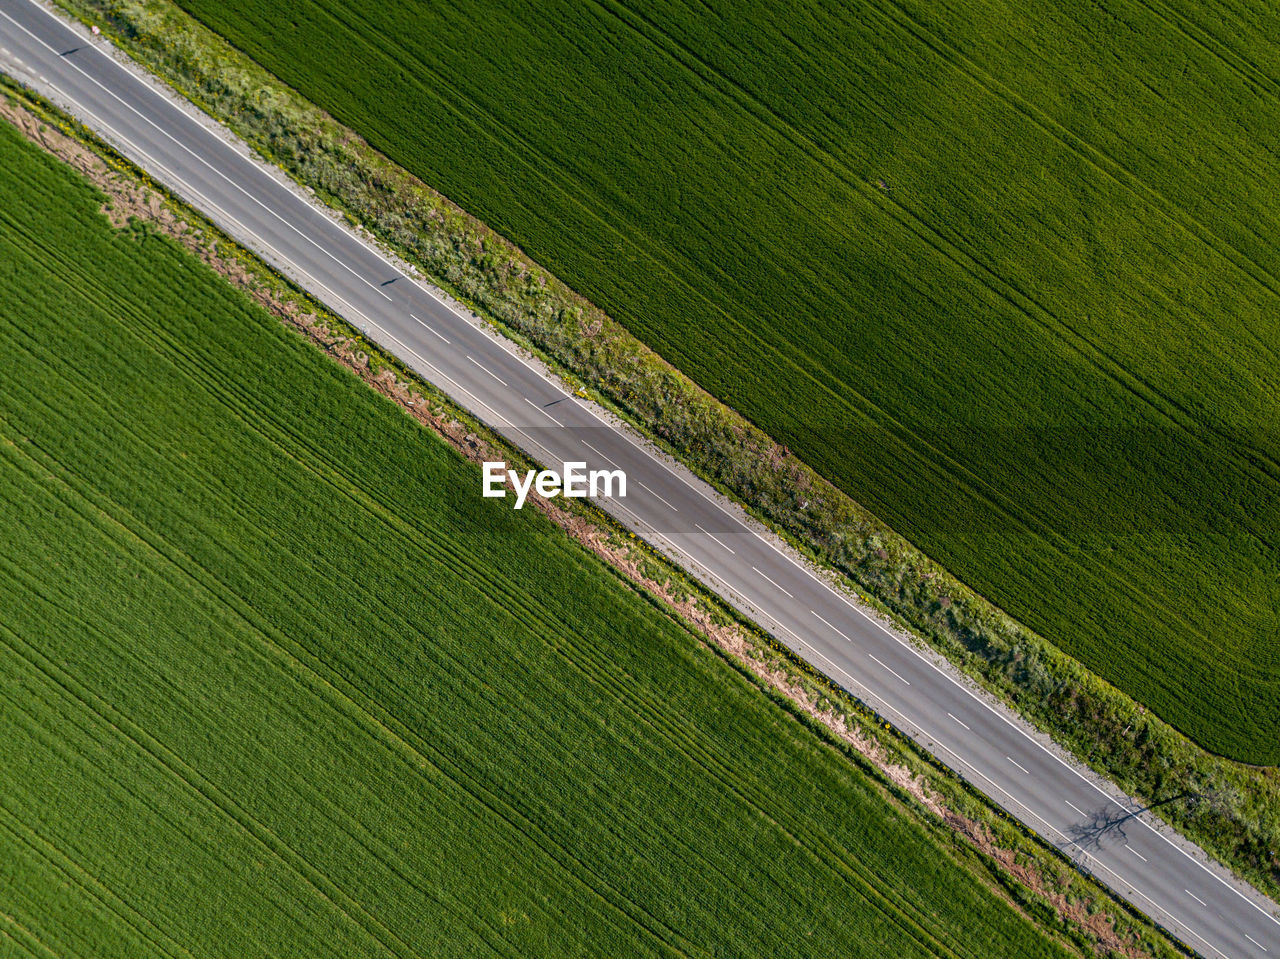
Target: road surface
1160, 874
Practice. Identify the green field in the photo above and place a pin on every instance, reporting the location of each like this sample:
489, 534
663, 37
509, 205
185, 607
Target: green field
1006, 274
277, 681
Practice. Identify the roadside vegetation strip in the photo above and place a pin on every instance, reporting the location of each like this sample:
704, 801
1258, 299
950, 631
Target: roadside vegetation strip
263, 638
1102, 726
1037, 877
1006, 350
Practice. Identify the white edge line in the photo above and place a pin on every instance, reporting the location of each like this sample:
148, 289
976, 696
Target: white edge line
870, 697
987, 706
198, 158
886, 708
335, 299
509, 348
643, 447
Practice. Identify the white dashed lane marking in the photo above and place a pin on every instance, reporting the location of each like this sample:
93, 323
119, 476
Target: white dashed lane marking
487, 370
771, 581
543, 412
890, 669
429, 329
833, 626
658, 496
714, 538
601, 455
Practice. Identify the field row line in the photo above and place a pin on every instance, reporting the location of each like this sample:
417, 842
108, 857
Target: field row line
807, 145
818, 845
1250, 72
401, 739
9, 925
1065, 552
1045, 531
347, 815
77, 876
254, 629
165, 759
1100, 160
875, 890
318, 467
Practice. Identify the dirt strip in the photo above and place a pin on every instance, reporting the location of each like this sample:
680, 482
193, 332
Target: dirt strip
131, 199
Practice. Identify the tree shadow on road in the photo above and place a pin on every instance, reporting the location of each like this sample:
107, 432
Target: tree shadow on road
1109, 823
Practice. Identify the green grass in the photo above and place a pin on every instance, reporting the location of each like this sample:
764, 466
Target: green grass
277, 681
1006, 276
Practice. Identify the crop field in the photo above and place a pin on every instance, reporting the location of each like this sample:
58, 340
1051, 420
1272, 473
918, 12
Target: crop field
277, 681
1008, 277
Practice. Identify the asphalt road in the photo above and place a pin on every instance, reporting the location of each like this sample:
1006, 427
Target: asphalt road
1161, 875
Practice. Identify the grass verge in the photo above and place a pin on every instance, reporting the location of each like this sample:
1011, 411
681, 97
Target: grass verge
1145, 756
268, 656
1005, 344
240, 660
